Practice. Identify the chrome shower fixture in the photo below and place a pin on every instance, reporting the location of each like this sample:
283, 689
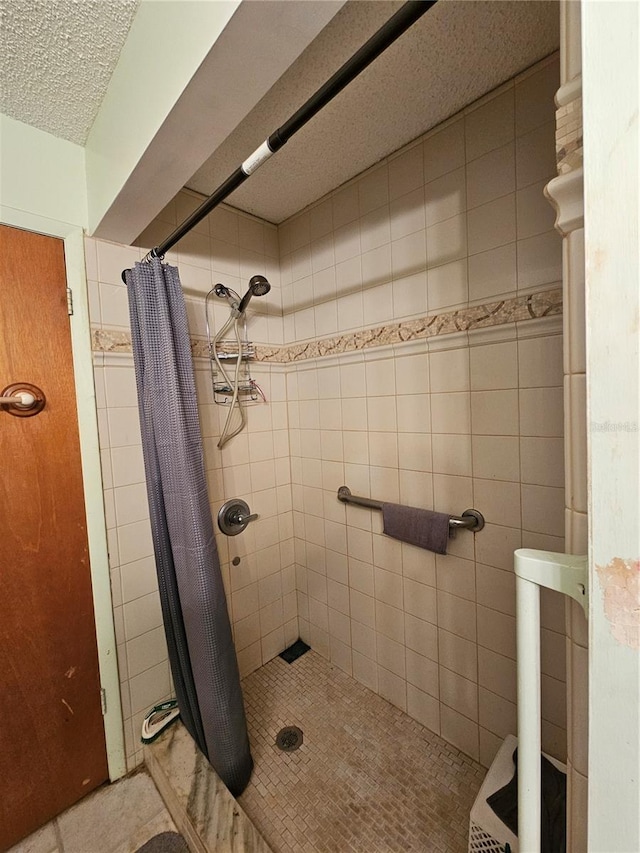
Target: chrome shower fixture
227, 293
258, 286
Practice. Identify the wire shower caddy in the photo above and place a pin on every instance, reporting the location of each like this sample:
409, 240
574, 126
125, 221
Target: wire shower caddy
228, 351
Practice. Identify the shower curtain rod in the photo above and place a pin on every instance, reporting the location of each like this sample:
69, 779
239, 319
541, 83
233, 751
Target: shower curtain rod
399, 23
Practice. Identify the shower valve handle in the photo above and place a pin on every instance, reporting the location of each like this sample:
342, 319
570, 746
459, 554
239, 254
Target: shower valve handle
234, 516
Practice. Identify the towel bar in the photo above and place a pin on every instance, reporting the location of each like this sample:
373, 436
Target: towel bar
470, 519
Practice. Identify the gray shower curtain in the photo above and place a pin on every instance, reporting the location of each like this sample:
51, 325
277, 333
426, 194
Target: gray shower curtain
196, 620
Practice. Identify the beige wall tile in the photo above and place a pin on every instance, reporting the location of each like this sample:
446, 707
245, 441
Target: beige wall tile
496, 457
542, 461
541, 412
451, 494
408, 255
447, 285
496, 545
444, 151
340, 626
494, 366
494, 412
421, 636
447, 241
392, 687
418, 564
413, 413
535, 214
363, 639
535, 158
489, 746
451, 413
373, 189
458, 654
496, 588
407, 214
493, 224
388, 587
452, 455
459, 693
146, 651
540, 362
362, 608
535, 97
497, 674
340, 655
460, 731
409, 296
445, 197
419, 600
406, 172
456, 576
390, 655
553, 654
365, 671
497, 632
496, 714
422, 673
389, 624
553, 701
449, 371
489, 125
457, 615
345, 205
542, 509
493, 273
492, 175
423, 707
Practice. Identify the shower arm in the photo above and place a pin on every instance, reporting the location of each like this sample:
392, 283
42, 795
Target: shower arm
388, 33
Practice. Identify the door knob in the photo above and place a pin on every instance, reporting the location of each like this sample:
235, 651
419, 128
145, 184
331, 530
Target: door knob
22, 400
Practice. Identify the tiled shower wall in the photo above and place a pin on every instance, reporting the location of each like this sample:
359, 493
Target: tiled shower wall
455, 220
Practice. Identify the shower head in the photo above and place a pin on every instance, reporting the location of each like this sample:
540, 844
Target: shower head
258, 286
226, 293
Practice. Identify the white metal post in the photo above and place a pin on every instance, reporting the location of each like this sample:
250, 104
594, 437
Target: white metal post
565, 573
529, 746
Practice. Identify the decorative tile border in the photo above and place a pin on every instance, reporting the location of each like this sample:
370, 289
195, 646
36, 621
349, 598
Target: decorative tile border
569, 136
515, 310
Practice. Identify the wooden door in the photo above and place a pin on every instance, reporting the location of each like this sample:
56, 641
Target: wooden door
52, 746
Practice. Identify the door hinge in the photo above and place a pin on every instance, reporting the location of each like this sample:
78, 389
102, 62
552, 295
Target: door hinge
69, 301
103, 700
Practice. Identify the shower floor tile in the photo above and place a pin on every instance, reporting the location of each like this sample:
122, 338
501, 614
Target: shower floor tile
367, 778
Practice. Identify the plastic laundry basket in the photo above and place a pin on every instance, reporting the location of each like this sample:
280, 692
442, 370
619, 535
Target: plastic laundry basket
487, 833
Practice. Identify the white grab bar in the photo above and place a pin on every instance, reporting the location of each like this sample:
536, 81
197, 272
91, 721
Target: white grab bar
565, 573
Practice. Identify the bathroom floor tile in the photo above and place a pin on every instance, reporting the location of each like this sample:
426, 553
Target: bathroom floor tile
110, 816
116, 818
43, 840
367, 778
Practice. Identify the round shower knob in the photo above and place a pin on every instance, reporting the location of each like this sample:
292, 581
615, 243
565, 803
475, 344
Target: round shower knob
234, 515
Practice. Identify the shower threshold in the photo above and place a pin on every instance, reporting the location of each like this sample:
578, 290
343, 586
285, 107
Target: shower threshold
367, 778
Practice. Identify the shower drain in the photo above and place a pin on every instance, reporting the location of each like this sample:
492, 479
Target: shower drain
289, 738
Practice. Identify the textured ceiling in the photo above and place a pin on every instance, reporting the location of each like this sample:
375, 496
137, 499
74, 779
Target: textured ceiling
457, 52
56, 60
